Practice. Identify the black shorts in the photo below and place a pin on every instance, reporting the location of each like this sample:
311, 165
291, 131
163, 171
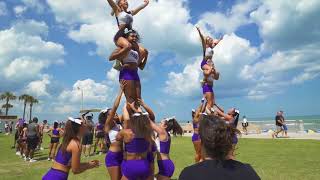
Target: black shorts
100, 135
54, 140
32, 142
87, 139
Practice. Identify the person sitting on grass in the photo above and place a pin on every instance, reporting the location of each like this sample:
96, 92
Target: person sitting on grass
69, 153
217, 147
279, 125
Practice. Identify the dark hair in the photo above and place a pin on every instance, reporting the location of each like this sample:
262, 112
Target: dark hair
55, 125
216, 137
35, 119
174, 126
45, 121
132, 31
71, 132
141, 127
103, 117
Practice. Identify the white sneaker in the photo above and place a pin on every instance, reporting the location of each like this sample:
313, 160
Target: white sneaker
18, 153
49, 159
26, 159
32, 160
100, 153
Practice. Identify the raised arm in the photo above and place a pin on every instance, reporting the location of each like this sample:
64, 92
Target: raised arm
148, 109
138, 9
215, 43
203, 41
162, 133
199, 110
114, 6
125, 116
119, 53
113, 110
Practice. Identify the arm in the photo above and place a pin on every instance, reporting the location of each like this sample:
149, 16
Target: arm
226, 117
199, 110
148, 109
144, 60
125, 135
137, 10
76, 166
119, 53
162, 133
114, 6
217, 42
125, 116
203, 42
113, 111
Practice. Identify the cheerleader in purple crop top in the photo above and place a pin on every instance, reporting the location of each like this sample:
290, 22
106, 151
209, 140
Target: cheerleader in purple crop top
165, 164
196, 137
69, 153
55, 137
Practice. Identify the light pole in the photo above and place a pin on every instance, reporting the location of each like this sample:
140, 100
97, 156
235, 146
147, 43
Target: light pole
81, 97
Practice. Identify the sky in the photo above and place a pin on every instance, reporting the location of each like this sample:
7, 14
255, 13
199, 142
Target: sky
268, 58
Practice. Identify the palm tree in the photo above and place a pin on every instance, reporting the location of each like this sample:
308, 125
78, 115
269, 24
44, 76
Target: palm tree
7, 96
24, 98
32, 101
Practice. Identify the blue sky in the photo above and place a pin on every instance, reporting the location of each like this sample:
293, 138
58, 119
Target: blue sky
267, 61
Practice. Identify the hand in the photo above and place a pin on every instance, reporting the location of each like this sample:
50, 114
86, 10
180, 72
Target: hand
128, 135
94, 163
141, 102
123, 84
146, 2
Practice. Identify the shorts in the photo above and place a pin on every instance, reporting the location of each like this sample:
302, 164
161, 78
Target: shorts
166, 167
235, 140
136, 169
54, 174
113, 159
87, 139
32, 142
54, 140
100, 135
129, 74
285, 127
207, 88
195, 137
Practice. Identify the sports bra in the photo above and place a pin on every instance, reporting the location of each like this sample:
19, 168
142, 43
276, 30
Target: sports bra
63, 159
55, 132
114, 132
137, 145
164, 146
125, 18
99, 127
132, 57
195, 125
209, 52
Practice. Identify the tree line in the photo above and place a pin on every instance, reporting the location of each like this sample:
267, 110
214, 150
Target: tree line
25, 98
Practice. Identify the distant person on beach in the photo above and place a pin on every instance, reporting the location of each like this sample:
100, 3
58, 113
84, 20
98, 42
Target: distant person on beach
284, 125
216, 137
6, 127
279, 125
245, 124
10, 127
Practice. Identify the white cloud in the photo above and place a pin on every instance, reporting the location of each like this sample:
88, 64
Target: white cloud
24, 54
35, 4
66, 110
286, 25
230, 21
92, 92
3, 9
113, 75
39, 87
19, 10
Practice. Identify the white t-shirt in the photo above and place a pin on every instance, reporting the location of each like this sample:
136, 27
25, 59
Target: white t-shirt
244, 120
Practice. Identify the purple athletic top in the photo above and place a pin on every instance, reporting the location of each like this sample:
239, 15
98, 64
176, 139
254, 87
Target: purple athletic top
63, 158
55, 132
165, 145
137, 145
195, 125
203, 62
100, 127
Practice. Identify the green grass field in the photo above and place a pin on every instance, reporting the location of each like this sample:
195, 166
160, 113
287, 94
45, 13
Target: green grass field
272, 159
